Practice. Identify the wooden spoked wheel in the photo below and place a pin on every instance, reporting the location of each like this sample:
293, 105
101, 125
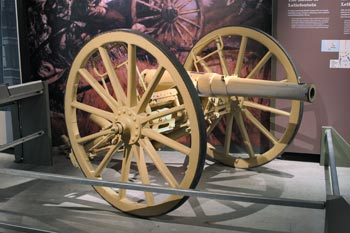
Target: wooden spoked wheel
246, 132
177, 24
117, 123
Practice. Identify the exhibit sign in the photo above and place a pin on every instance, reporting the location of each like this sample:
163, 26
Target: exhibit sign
316, 33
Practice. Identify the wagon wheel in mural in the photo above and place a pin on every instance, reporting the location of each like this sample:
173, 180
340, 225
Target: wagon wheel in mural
117, 128
177, 24
262, 128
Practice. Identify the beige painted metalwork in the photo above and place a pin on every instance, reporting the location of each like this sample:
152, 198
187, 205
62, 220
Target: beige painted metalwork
240, 108
127, 98
130, 122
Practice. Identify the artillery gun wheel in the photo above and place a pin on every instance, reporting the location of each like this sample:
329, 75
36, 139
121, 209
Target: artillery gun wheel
177, 24
114, 133
228, 51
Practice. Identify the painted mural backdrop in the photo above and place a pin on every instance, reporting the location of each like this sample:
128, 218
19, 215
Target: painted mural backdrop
57, 29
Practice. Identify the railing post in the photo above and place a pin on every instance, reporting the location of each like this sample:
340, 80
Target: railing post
337, 215
29, 105
337, 208
332, 164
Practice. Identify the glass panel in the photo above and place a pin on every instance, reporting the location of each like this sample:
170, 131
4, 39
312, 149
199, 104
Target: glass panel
9, 60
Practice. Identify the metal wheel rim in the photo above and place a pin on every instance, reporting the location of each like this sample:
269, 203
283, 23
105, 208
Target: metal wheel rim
296, 106
196, 150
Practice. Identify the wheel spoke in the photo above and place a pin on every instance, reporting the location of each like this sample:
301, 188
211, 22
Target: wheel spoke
169, 142
240, 57
125, 170
184, 4
244, 133
203, 64
228, 132
149, 5
95, 111
113, 77
213, 125
131, 91
106, 159
98, 88
152, 17
155, 28
221, 56
158, 162
189, 21
160, 114
99, 145
178, 30
142, 167
150, 90
162, 24
100, 121
260, 126
166, 33
189, 12
185, 29
266, 108
93, 136
171, 28
260, 64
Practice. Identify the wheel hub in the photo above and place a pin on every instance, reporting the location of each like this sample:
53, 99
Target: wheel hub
130, 123
169, 14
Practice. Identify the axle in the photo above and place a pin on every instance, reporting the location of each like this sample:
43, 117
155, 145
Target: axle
213, 84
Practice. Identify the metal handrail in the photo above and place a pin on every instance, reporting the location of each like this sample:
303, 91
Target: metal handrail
332, 164
159, 189
21, 140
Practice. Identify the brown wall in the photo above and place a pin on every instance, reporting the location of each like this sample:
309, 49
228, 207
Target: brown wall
302, 36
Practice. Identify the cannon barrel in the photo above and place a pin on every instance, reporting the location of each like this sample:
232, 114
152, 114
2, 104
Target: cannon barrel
213, 84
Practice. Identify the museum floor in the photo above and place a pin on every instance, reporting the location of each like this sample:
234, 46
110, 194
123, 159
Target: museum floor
46, 206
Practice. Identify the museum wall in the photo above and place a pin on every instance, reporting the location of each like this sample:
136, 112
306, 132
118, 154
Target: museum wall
316, 34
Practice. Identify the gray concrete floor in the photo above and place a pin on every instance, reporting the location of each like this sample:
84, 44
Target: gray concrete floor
47, 206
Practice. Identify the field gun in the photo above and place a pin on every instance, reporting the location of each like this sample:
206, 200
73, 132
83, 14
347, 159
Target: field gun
149, 119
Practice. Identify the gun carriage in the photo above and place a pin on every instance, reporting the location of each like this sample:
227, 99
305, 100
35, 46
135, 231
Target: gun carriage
149, 118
